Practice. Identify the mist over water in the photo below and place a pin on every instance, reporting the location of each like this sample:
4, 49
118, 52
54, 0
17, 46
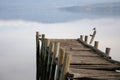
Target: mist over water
57, 19
17, 42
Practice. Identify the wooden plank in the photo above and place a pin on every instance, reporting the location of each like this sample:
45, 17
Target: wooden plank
66, 42
99, 52
88, 60
79, 73
82, 53
96, 78
79, 49
97, 67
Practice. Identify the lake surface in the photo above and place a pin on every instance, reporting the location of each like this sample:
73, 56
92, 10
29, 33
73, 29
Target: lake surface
19, 21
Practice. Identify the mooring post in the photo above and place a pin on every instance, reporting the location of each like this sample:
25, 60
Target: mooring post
49, 61
37, 56
51, 56
60, 63
65, 67
54, 56
81, 37
57, 51
42, 56
47, 42
86, 38
96, 44
43, 46
107, 51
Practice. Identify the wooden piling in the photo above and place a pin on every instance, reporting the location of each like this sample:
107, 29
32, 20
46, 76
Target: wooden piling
47, 42
49, 61
81, 37
92, 37
96, 44
53, 63
46, 54
43, 36
107, 51
37, 56
60, 63
42, 56
57, 47
61, 57
65, 67
52, 60
57, 50
86, 38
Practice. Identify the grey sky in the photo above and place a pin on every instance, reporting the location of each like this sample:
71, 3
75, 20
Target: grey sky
46, 11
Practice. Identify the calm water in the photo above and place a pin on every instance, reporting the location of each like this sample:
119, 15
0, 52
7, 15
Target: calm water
19, 21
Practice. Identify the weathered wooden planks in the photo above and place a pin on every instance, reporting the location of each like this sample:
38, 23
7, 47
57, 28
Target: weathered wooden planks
86, 62
97, 66
98, 74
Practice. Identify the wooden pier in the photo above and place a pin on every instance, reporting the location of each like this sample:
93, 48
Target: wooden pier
73, 59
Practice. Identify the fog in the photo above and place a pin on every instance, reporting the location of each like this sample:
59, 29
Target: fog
17, 42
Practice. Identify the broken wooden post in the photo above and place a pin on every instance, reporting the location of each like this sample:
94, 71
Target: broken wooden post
96, 44
107, 51
65, 67
81, 37
86, 38
92, 37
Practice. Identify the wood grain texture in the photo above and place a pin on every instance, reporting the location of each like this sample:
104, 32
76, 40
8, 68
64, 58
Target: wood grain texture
88, 63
